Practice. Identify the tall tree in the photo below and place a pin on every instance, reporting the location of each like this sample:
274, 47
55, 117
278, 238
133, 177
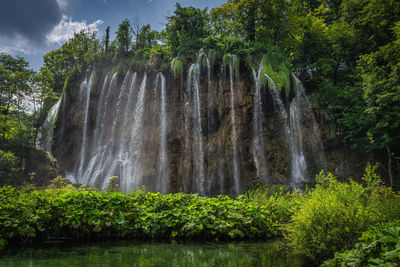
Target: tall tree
107, 40
186, 29
124, 38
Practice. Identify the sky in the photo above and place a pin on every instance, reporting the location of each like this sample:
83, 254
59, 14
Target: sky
31, 28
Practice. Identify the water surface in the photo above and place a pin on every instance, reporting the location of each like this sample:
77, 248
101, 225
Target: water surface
131, 253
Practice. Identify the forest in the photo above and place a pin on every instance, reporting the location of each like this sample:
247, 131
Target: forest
345, 52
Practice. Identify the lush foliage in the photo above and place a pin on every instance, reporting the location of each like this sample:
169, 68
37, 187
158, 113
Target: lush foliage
26, 214
379, 246
25, 97
334, 214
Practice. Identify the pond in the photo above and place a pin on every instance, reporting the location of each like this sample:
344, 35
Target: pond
132, 253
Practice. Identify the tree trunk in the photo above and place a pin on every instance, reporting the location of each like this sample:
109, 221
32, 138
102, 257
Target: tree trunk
390, 165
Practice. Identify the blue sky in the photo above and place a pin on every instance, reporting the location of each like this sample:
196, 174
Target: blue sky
31, 28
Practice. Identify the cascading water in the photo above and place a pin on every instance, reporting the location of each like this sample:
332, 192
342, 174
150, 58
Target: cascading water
95, 168
235, 159
132, 169
45, 136
293, 133
193, 90
317, 146
210, 120
299, 106
298, 161
127, 131
86, 87
163, 171
258, 130
221, 154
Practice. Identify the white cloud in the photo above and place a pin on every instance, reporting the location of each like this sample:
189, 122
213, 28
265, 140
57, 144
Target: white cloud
66, 29
16, 46
11, 50
62, 4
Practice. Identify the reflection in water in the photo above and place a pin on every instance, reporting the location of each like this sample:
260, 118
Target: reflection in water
130, 253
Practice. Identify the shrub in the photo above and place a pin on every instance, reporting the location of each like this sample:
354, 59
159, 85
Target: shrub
9, 170
281, 203
79, 214
379, 246
333, 216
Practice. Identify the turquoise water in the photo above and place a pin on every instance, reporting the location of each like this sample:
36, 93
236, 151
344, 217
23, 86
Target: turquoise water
128, 253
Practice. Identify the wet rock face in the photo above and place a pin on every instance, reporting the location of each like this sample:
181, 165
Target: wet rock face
120, 151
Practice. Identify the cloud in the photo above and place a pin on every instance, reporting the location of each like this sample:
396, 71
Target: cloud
30, 20
66, 29
62, 4
11, 50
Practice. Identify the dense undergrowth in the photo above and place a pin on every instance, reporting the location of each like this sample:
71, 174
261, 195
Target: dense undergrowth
328, 218
379, 246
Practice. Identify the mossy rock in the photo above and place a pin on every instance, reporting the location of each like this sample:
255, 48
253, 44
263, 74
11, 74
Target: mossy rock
275, 67
226, 60
66, 83
212, 56
177, 68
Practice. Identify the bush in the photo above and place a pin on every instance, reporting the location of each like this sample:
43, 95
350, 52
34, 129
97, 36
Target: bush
36, 214
281, 203
9, 170
378, 247
334, 215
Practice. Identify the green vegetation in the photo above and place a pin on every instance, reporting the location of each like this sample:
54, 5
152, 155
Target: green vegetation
177, 68
328, 218
379, 246
35, 214
275, 67
347, 53
334, 214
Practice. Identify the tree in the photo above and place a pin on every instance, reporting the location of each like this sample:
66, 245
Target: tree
146, 37
186, 29
15, 78
124, 38
380, 76
251, 20
72, 58
107, 41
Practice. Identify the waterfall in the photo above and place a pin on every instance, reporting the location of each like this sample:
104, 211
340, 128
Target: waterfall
221, 154
86, 87
114, 147
317, 146
210, 121
258, 130
132, 171
94, 168
235, 160
187, 151
45, 136
299, 166
193, 90
293, 133
201, 138
163, 170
